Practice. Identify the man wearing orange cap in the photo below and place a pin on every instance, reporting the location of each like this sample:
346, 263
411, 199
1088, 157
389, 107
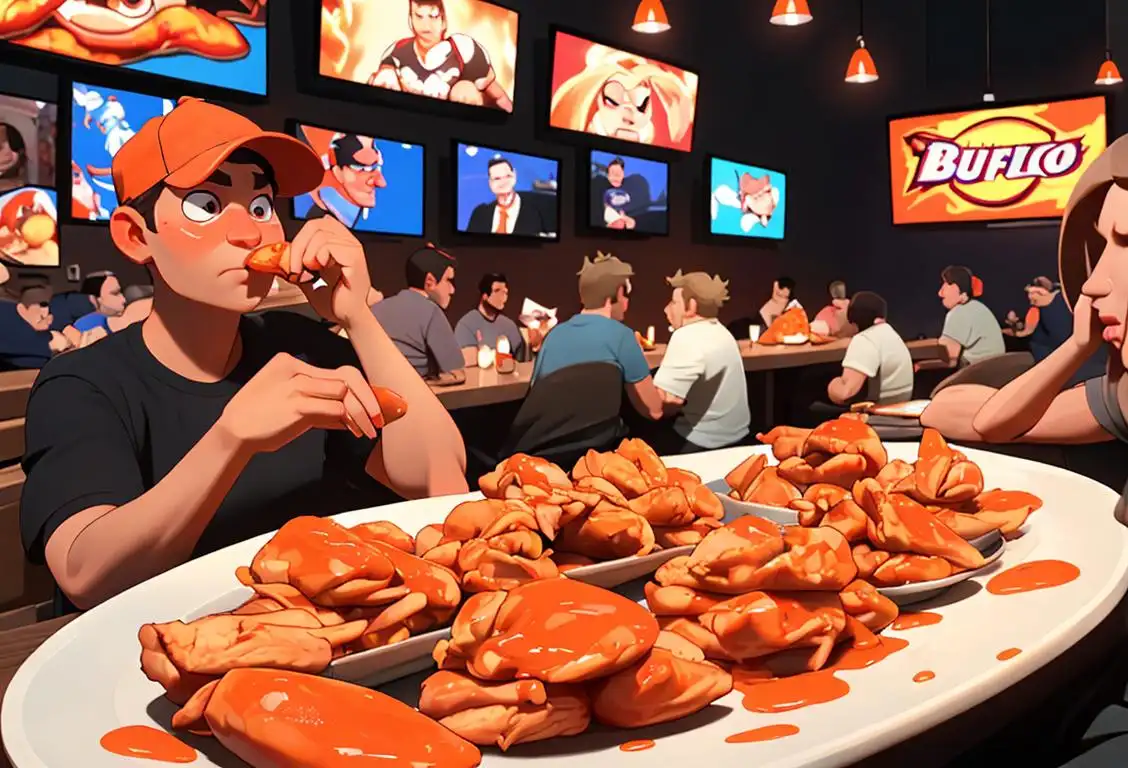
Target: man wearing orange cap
201, 427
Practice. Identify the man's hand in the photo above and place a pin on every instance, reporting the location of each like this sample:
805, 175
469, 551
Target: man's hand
59, 343
287, 398
1087, 328
327, 247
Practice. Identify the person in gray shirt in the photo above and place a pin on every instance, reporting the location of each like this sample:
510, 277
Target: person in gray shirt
415, 321
971, 331
485, 324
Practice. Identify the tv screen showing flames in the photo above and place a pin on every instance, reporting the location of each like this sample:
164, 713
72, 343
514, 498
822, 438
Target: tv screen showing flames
604, 91
215, 43
463, 51
1000, 163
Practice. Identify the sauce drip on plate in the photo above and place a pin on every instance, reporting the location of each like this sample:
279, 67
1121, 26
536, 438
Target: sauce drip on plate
637, 745
763, 692
1027, 577
924, 676
1008, 654
766, 733
914, 620
148, 743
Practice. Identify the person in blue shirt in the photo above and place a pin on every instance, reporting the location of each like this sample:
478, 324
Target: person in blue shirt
109, 301
1051, 326
597, 334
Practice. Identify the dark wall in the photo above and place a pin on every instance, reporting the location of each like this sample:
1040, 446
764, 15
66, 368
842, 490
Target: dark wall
770, 96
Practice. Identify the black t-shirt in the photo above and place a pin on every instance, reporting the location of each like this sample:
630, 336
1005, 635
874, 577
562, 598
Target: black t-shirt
106, 423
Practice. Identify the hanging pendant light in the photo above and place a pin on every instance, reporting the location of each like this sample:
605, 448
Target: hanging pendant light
650, 18
1109, 73
861, 68
791, 13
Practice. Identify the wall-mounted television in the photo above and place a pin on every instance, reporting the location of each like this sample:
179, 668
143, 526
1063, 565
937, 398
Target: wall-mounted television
746, 200
222, 43
604, 91
29, 218
462, 51
627, 194
505, 193
1004, 162
371, 184
103, 118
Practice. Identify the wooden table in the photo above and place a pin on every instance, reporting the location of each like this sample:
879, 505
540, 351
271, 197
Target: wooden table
15, 386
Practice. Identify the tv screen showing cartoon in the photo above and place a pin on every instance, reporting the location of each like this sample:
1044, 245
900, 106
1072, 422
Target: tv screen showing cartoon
102, 120
608, 92
506, 193
628, 193
370, 184
746, 200
1001, 163
29, 219
219, 43
463, 51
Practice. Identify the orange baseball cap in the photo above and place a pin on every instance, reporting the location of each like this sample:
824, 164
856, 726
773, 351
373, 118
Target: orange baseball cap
184, 147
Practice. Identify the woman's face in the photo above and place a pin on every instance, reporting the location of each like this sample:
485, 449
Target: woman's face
624, 112
1107, 285
9, 158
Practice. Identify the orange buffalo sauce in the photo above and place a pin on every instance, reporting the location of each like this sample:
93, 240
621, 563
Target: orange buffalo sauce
148, 743
1027, 577
924, 676
557, 621
527, 469
766, 733
763, 692
637, 745
914, 620
1009, 653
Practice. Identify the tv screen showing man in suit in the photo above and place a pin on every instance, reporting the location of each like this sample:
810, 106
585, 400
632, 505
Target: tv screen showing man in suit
506, 193
628, 193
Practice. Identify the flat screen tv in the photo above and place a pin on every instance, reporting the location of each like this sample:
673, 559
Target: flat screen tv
29, 217
371, 184
746, 200
221, 43
462, 51
1004, 162
103, 118
627, 194
605, 91
504, 193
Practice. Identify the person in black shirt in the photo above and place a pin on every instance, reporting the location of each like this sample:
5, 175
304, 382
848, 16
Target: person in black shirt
200, 427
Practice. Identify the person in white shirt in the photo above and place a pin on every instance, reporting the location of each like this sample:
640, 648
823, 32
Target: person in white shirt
701, 378
876, 354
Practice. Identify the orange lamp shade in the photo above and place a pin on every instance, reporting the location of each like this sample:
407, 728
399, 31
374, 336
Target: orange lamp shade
1109, 74
650, 17
861, 68
791, 13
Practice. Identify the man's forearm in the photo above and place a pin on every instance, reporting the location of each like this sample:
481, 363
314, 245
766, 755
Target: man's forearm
1019, 405
424, 449
102, 551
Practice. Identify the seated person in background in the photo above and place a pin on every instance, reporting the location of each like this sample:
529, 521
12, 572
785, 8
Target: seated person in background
783, 292
701, 378
1039, 292
971, 331
68, 306
105, 289
26, 338
415, 321
1053, 325
206, 425
597, 334
138, 305
877, 352
485, 324
831, 320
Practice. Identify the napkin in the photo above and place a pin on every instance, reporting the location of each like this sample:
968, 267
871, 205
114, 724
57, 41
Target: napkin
532, 312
